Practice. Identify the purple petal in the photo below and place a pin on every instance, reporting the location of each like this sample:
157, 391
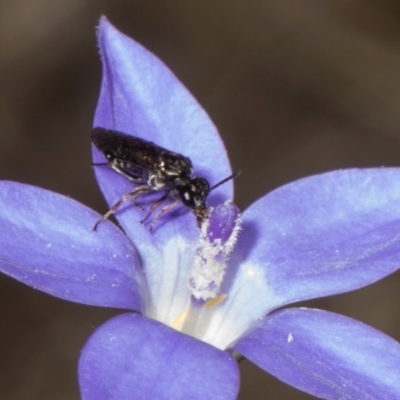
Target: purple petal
326, 355
133, 357
141, 97
327, 234
47, 242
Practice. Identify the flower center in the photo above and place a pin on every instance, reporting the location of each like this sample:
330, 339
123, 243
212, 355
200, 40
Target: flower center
191, 292
217, 240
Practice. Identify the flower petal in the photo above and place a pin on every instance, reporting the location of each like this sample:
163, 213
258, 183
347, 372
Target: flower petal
323, 235
327, 355
133, 357
140, 96
47, 241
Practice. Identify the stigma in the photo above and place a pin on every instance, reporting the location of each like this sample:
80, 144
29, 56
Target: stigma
217, 240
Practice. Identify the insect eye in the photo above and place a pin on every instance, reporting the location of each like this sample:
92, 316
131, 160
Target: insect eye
187, 198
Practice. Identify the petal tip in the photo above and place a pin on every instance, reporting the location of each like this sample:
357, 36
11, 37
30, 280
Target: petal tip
104, 28
104, 23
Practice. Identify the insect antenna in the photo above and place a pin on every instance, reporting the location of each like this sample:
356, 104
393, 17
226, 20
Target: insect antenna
233, 176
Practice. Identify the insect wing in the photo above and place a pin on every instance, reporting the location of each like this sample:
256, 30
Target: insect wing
138, 159
133, 157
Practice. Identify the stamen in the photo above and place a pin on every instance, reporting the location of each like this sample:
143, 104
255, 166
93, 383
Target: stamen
218, 236
180, 319
213, 302
199, 315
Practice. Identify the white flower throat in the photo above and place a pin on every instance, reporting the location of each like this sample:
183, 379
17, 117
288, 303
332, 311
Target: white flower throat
187, 300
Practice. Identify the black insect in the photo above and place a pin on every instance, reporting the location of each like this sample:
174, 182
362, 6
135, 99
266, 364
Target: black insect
156, 169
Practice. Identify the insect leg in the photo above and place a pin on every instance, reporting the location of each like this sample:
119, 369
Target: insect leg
131, 195
155, 205
137, 205
163, 211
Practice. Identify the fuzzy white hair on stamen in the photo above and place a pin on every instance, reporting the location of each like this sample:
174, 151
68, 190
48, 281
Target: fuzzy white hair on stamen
210, 261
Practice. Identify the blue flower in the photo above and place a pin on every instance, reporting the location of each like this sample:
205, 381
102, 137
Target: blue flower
198, 296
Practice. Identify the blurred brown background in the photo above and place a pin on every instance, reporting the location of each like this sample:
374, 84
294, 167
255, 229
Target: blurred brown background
295, 88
